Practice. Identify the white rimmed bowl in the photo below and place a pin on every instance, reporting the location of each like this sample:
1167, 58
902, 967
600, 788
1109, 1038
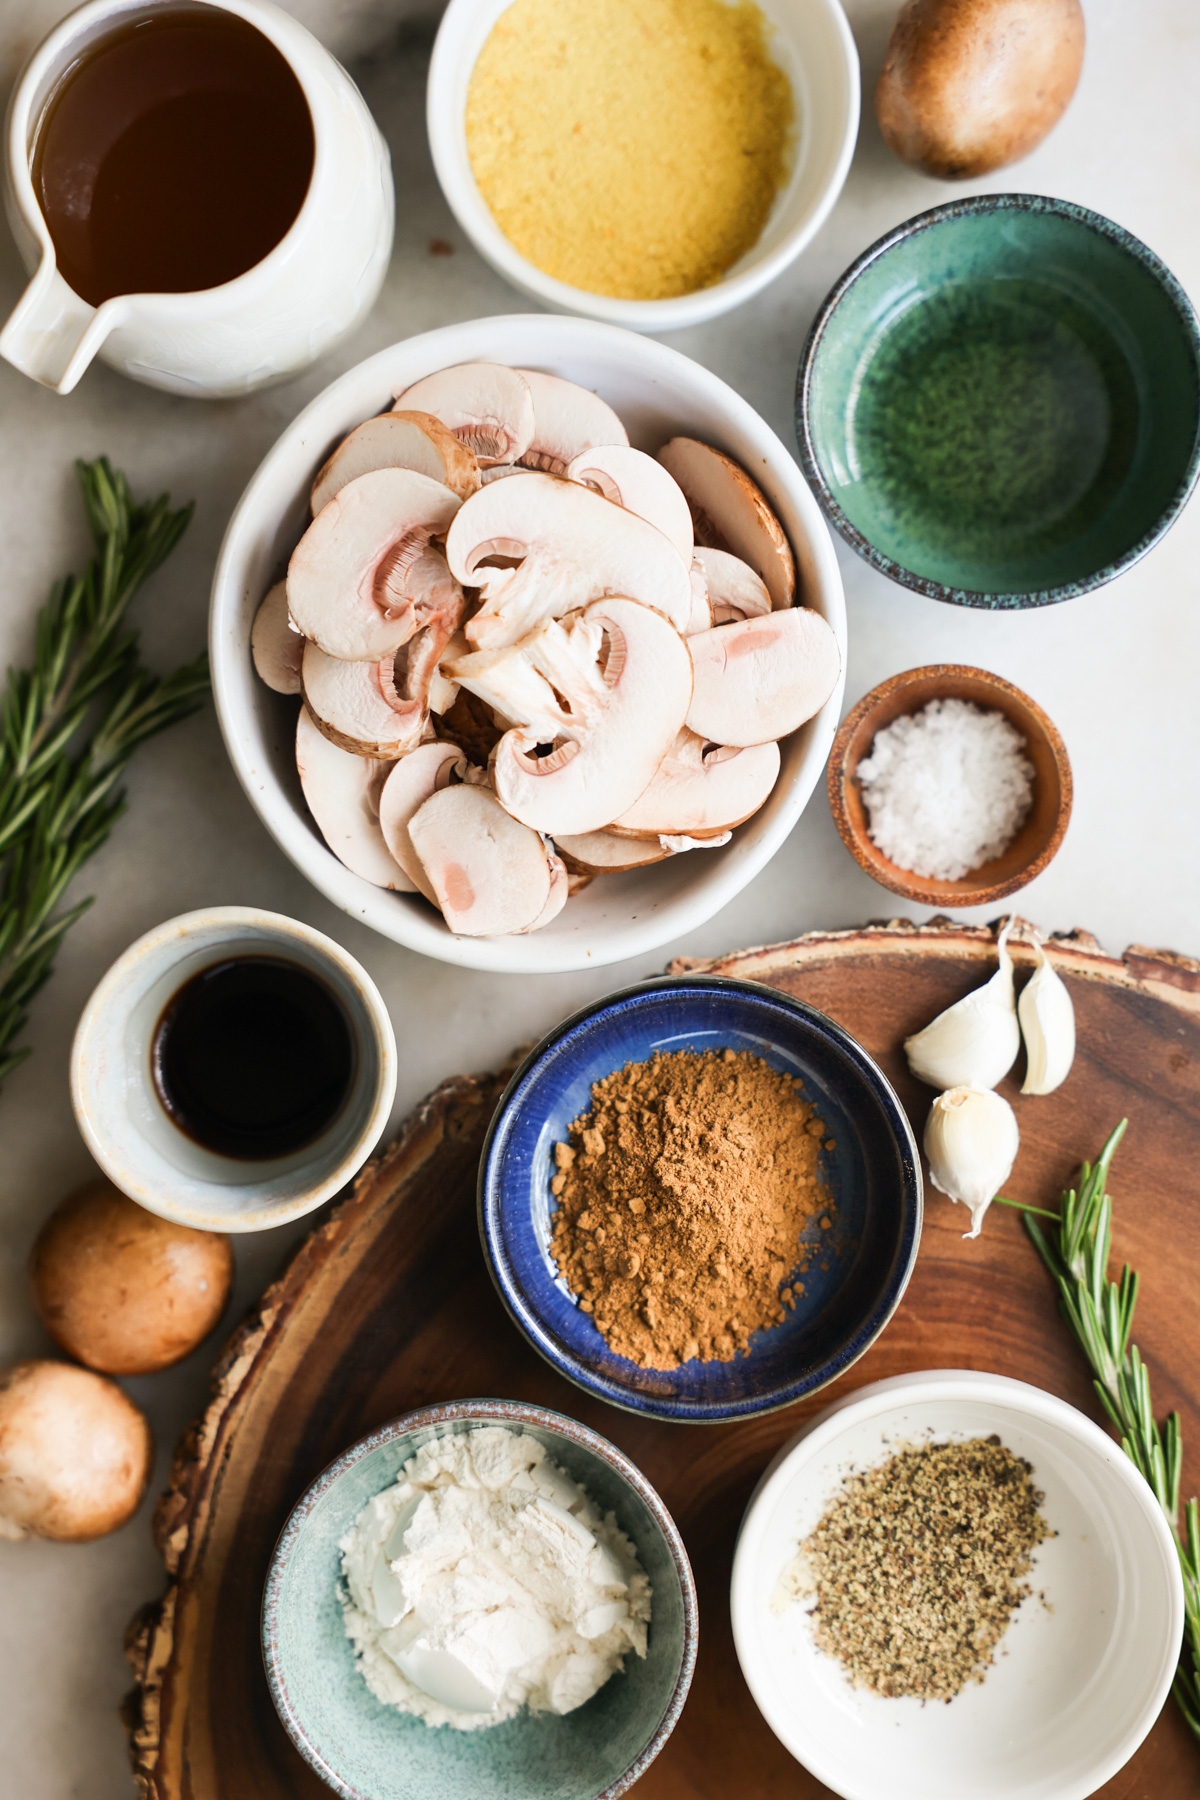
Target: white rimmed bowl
1077, 1683
812, 43
127, 1128
657, 393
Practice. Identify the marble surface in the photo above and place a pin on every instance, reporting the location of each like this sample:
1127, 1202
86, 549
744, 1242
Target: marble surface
1116, 671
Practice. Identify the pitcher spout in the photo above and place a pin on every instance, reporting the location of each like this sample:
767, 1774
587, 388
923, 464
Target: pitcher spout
53, 335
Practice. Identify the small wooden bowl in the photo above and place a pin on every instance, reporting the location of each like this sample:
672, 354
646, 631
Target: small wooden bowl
1038, 839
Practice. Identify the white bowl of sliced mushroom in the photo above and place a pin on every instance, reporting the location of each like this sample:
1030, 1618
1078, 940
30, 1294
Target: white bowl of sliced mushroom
552, 669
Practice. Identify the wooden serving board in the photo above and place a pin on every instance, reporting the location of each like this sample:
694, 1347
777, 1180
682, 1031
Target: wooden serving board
387, 1306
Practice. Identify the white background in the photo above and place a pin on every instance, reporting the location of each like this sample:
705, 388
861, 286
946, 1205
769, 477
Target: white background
1118, 672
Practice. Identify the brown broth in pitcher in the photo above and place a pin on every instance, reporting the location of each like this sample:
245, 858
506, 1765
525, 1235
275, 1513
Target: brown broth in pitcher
173, 155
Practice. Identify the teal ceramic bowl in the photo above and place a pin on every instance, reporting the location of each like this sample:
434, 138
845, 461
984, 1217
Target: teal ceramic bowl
367, 1751
999, 403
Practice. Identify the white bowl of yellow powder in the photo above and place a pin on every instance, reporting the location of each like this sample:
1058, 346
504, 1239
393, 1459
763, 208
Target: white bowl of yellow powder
649, 163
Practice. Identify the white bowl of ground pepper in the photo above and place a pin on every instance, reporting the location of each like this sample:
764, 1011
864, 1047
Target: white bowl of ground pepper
961, 1538
650, 164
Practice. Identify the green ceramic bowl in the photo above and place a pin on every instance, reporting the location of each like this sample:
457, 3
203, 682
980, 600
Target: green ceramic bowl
368, 1751
999, 403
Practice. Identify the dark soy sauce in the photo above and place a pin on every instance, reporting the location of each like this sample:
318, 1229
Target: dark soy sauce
172, 156
253, 1057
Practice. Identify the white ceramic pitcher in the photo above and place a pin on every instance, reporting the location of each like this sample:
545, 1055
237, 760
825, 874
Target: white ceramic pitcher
310, 291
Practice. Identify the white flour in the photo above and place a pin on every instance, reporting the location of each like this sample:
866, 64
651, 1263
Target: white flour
486, 1580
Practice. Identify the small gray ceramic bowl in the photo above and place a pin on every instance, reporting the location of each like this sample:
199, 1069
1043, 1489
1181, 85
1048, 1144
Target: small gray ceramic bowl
129, 1131
368, 1751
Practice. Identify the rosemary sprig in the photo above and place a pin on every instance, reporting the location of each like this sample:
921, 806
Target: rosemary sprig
68, 726
1075, 1249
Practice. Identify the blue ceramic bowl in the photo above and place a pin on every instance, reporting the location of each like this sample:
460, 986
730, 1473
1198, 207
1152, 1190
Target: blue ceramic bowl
367, 1751
873, 1173
999, 403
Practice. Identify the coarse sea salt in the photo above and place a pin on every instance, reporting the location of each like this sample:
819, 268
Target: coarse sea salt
946, 789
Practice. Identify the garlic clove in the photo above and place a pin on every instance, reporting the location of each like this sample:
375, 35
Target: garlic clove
1048, 1025
974, 1043
971, 1142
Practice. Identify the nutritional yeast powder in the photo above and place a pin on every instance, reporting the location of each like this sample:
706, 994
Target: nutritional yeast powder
682, 1196
917, 1566
630, 147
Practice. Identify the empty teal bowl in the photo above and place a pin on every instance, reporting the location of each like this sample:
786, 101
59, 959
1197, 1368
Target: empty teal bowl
368, 1751
999, 403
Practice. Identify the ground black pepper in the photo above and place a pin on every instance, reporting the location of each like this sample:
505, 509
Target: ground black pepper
917, 1564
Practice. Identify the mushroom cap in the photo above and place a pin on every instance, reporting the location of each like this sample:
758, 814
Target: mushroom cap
574, 547
701, 616
604, 853
488, 407
342, 793
763, 677
349, 704
122, 1290
560, 893
275, 648
489, 874
398, 440
567, 419
409, 784
701, 789
730, 512
620, 720
362, 579
631, 479
75, 1453
734, 590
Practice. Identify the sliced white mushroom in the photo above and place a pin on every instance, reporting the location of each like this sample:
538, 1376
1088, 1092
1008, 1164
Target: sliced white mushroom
701, 790
567, 419
488, 407
560, 893
541, 547
399, 440
356, 706
734, 590
678, 845
342, 792
546, 678
761, 678
635, 481
603, 853
366, 575
275, 648
442, 692
729, 512
613, 718
701, 616
488, 873
408, 785
500, 472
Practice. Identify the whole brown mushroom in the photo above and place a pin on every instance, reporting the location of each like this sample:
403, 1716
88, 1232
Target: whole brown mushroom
75, 1453
123, 1290
970, 85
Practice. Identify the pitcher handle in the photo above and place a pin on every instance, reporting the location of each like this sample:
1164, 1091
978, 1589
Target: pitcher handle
52, 334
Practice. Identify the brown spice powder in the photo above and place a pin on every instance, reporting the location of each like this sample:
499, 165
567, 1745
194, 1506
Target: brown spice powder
917, 1566
682, 1197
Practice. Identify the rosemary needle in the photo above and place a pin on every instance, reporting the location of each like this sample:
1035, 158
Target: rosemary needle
68, 726
1075, 1249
